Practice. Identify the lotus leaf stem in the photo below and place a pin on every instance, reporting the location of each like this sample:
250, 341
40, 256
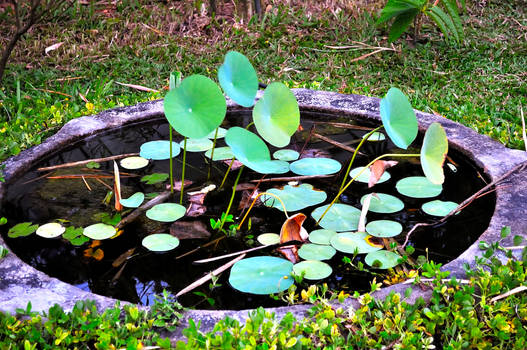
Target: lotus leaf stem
212, 152
227, 172
224, 217
171, 169
254, 201
183, 170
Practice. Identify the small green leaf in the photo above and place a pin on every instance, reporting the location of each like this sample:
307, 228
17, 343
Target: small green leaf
21, 230
154, 178
518, 240
93, 165
505, 231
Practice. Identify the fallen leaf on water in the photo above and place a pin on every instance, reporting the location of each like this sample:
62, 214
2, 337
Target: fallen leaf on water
377, 169
189, 230
196, 209
123, 257
292, 229
290, 252
98, 254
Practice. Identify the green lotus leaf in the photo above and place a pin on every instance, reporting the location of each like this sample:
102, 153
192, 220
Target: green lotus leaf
382, 259
196, 107
99, 231
433, 153
310, 251
50, 230
132, 163
312, 269
268, 238
160, 242
22, 229
365, 176
340, 217
375, 136
276, 115
384, 203
197, 145
315, 166
221, 133
353, 242
220, 153
134, 200
321, 236
166, 212
294, 197
398, 118
238, 79
261, 275
287, 155
439, 208
418, 187
159, 150
154, 178
384, 228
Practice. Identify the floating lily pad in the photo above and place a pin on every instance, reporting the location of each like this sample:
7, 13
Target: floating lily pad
99, 231
50, 230
321, 236
238, 79
197, 145
196, 107
294, 197
375, 136
268, 238
365, 176
340, 217
418, 187
166, 212
312, 269
384, 203
159, 150
75, 236
384, 228
276, 115
220, 153
433, 153
315, 166
382, 259
134, 200
132, 163
221, 133
261, 275
353, 242
160, 242
287, 155
398, 118
310, 251
154, 178
439, 208
22, 229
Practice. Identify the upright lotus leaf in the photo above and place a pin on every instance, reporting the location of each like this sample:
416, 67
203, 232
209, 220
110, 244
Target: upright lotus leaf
196, 107
261, 275
276, 115
340, 217
159, 150
294, 197
433, 153
418, 187
398, 118
238, 79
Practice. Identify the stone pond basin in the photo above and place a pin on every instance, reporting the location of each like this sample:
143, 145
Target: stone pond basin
21, 283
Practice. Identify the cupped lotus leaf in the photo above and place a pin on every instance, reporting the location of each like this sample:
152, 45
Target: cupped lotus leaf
268, 238
160, 242
197, 145
159, 150
51, 230
382, 259
433, 153
132, 163
238, 78
398, 118
261, 275
196, 107
384, 203
134, 200
294, 197
220, 153
315, 166
365, 176
418, 187
221, 133
166, 212
287, 155
340, 217
321, 236
276, 115
311, 251
438, 207
99, 231
375, 136
384, 228
312, 269
354, 242
22, 229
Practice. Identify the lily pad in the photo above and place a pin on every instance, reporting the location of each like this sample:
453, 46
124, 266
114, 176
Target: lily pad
382, 259
312, 269
99, 231
159, 150
315, 166
268, 238
398, 118
166, 212
22, 229
384, 228
294, 197
196, 107
340, 217
154, 178
134, 200
384, 203
276, 115
287, 155
132, 163
433, 153
75, 236
310, 251
51, 230
220, 153
365, 176
321, 236
221, 133
197, 145
353, 242
238, 78
261, 275
418, 187
375, 136
438, 207
160, 242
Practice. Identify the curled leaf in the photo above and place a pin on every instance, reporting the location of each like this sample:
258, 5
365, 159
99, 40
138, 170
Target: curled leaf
377, 170
292, 229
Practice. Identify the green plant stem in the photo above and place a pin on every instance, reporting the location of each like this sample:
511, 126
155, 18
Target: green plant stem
232, 199
254, 201
171, 170
212, 153
183, 170
227, 172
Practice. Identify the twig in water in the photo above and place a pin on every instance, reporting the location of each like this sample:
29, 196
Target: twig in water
335, 143
82, 162
292, 178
